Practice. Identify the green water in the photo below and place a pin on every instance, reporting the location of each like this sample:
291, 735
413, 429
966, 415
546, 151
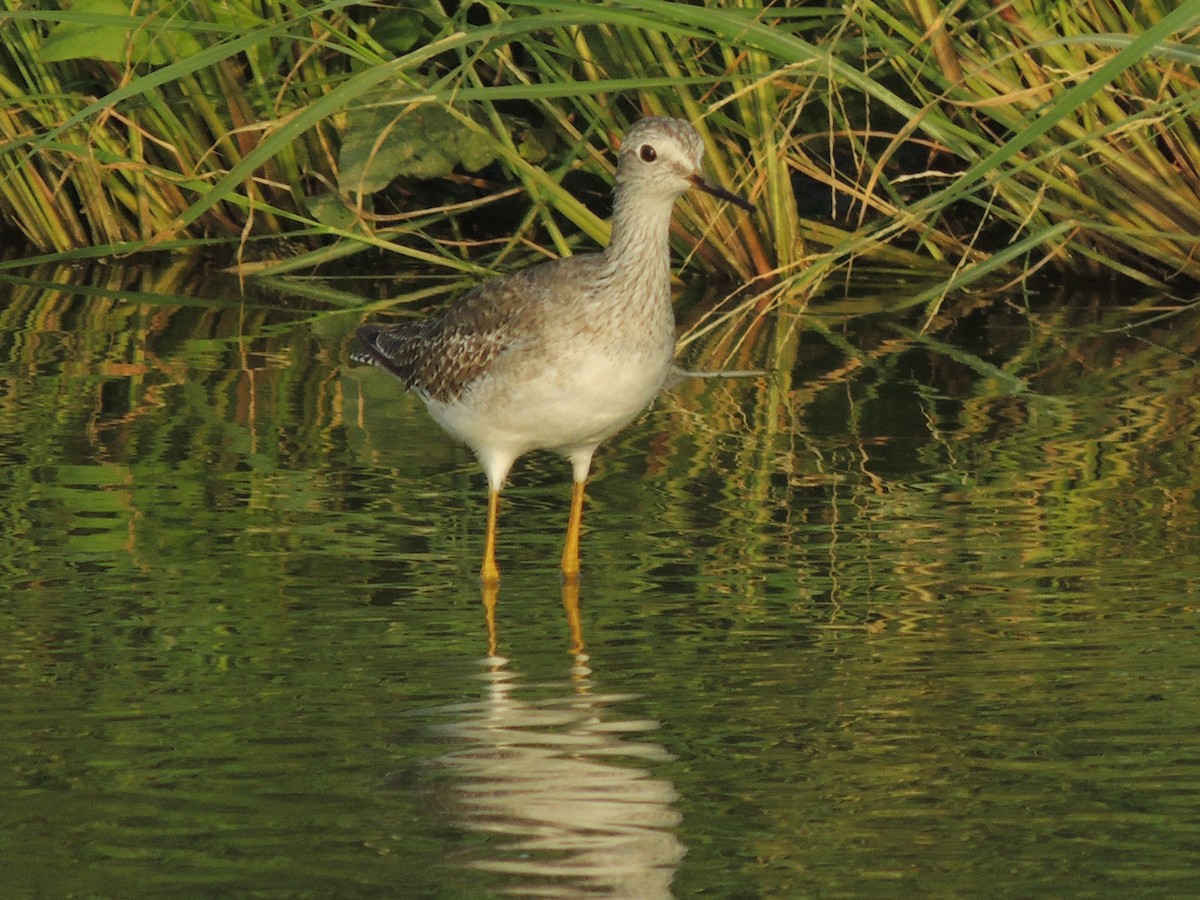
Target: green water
916, 616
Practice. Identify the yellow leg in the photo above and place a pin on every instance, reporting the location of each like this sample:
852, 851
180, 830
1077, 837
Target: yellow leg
490, 573
570, 559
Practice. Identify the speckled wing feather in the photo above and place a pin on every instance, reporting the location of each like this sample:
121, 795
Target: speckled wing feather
442, 355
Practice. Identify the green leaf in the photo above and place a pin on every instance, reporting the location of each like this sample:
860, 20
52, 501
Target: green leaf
107, 30
398, 30
330, 209
423, 141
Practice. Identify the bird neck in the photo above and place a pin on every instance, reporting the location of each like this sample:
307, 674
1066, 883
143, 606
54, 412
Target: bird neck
632, 290
639, 250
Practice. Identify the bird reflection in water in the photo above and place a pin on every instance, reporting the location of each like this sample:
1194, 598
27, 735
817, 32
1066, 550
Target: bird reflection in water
558, 782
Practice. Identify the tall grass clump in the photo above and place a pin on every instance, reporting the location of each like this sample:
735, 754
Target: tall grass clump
959, 144
1062, 136
115, 121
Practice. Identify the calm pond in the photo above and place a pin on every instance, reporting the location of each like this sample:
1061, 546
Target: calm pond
913, 614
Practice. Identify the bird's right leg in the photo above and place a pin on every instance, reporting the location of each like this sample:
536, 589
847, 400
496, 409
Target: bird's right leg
489, 573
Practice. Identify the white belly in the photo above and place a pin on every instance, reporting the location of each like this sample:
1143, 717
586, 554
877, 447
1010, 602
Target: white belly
570, 406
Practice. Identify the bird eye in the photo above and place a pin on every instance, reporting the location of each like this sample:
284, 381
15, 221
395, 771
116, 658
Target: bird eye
648, 153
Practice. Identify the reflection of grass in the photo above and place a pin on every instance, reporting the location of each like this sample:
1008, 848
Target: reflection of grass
130, 394
961, 146
869, 441
904, 448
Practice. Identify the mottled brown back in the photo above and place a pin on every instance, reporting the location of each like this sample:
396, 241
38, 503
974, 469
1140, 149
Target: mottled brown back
442, 355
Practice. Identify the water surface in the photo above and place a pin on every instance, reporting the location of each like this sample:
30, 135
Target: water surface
916, 615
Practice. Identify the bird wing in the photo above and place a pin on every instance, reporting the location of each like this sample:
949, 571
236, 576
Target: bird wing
442, 355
